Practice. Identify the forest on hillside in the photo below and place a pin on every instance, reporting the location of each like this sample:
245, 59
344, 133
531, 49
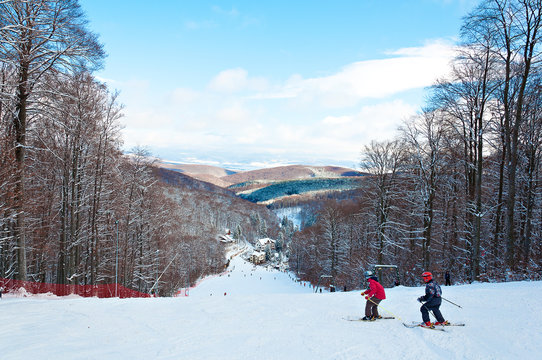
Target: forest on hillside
73, 208
280, 189
459, 188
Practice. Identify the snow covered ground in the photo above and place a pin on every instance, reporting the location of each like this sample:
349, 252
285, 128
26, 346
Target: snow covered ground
258, 314
292, 213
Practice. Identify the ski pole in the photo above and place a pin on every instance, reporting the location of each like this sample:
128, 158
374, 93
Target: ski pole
382, 307
451, 302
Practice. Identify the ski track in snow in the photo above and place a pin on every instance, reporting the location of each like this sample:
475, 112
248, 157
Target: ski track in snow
266, 315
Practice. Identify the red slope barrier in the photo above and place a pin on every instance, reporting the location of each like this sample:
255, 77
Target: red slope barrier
101, 291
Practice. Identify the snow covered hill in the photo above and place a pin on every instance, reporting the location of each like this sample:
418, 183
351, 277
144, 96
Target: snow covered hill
254, 313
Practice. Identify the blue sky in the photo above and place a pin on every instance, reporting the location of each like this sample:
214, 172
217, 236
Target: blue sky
246, 84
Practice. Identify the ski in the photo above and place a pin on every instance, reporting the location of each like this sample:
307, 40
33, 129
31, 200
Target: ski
351, 318
449, 324
423, 327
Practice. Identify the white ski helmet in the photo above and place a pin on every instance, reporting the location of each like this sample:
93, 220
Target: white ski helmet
368, 274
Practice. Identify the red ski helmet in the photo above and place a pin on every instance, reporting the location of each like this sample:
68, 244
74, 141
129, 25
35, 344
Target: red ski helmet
427, 276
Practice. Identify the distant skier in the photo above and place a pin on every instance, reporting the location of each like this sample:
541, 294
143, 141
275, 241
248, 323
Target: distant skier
447, 278
432, 299
374, 295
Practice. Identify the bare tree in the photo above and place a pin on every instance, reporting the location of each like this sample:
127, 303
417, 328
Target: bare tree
333, 240
424, 138
7, 166
531, 139
464, 100
383, 160
76, 136
516, 26
37, 37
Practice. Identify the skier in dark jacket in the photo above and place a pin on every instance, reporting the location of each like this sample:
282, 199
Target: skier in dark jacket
374, 295
432, 299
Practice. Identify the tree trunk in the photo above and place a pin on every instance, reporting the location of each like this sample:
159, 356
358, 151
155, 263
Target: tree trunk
20, 155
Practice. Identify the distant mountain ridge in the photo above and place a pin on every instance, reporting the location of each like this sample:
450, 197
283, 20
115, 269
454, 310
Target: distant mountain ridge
291, 172
270, 184
196, 169
207, 173
226, 178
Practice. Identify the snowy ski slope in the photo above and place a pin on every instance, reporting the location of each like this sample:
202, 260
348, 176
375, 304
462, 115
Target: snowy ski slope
253, 313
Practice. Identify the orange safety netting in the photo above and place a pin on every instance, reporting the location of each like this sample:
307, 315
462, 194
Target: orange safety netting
101, 291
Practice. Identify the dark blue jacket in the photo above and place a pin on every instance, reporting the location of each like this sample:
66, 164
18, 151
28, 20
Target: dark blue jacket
433, 294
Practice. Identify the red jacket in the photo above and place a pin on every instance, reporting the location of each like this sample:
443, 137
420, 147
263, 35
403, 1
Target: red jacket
375, 289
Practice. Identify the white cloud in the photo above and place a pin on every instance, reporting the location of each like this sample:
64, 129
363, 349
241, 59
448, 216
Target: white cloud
234, 113
231, 80
381, 121
336, 120
236, 80
347, 134
184, 96
432, 49
409, 68
238, 116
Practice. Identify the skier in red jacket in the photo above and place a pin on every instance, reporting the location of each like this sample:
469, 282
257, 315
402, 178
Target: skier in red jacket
374, 295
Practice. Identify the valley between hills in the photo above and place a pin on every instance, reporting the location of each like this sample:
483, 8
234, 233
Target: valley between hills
269, 185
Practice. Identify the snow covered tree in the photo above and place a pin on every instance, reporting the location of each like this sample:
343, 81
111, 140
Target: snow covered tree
515, 27
38, 37
424, 138
332, 240
383, 160
77, 137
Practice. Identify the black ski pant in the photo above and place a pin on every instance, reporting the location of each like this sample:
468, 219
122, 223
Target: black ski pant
434, 306
371, 307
